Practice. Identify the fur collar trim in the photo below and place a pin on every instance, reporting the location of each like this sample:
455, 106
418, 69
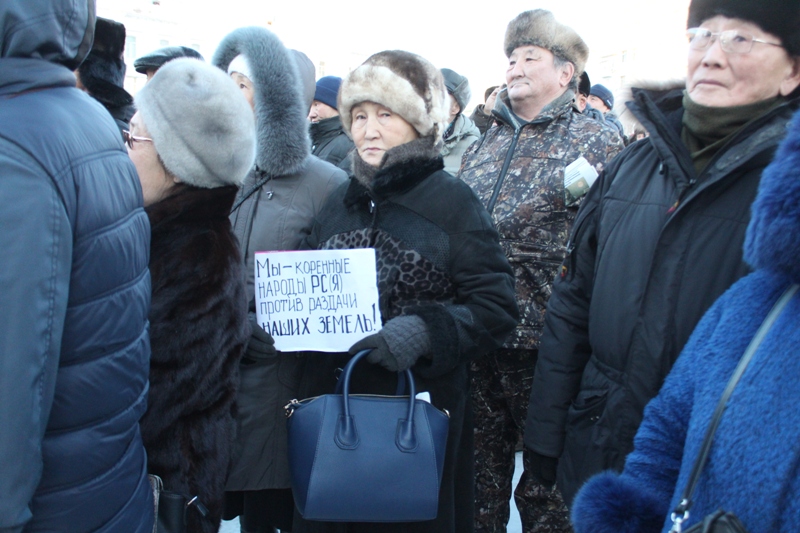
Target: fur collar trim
392, 180
773, 236
281, 125
192, 205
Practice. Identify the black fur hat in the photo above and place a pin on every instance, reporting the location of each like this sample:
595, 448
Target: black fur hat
103, 70
778, 17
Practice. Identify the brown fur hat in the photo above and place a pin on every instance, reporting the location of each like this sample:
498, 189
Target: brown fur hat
539, 27
404, 82
778, 17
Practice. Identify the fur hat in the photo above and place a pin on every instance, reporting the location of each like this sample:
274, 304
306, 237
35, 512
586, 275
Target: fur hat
404, 82
201, 125
778, 17
156, 59
540, 28
458, 86
103, 70
602, 92
585, 85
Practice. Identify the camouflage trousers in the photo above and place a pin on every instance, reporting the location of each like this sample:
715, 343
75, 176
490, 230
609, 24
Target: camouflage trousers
501, 389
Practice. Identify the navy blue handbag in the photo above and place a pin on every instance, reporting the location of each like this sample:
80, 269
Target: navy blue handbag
366, 458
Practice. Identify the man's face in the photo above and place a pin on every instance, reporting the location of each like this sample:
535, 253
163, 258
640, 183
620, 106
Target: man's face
532, 75
598, 104
320, 111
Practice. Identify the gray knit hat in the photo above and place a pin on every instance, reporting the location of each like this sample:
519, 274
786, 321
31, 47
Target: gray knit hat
540, 28
404, 82
458, 86
201, 124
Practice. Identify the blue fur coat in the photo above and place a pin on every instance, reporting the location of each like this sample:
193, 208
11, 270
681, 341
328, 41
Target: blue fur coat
754, 466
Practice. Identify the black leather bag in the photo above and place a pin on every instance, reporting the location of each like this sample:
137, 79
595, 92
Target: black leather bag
366, 458
171, 508
719, 522
723, 521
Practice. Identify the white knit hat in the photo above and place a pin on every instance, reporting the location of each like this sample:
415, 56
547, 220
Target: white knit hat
201, 124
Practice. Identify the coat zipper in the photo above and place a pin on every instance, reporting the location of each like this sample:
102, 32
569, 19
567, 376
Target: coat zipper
502, 177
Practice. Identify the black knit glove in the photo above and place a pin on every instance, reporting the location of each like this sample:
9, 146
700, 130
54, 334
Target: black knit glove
261, 345
543, 468
398, 345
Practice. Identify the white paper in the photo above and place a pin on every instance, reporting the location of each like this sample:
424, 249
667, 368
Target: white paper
320, 300
578, 178
424, 396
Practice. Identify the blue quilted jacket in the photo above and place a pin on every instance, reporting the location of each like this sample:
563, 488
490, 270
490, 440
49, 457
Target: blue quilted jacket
74, 289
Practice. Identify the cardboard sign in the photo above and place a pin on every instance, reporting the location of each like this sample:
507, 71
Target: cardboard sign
320, 300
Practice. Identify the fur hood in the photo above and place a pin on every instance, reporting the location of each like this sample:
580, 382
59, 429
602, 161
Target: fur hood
773, 236
281, 125
626, 94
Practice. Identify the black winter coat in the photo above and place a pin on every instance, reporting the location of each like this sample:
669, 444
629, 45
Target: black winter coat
440, 260
330, 143
654, 245
198, 331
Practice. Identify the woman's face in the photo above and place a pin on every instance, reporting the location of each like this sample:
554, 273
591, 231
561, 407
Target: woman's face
376, 129
722, 79
245, 85
156, 181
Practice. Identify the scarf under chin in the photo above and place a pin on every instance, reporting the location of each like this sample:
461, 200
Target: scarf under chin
707, 129
424, 148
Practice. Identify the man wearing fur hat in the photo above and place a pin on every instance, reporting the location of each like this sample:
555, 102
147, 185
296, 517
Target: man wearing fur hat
102, 73
518, 171
461, 131
659, 237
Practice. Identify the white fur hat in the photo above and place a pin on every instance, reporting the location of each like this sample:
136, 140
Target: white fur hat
404, 82
201, 124
539, 27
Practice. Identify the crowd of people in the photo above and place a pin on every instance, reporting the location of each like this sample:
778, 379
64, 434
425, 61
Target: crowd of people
555, 282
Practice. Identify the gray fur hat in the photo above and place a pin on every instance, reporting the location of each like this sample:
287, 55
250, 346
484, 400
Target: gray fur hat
201, 125
539, 27
778, 17
458, 86
404, 82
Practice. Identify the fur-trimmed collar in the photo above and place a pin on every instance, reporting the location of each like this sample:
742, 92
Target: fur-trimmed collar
281, 125
392, 180
773, 236
192, 205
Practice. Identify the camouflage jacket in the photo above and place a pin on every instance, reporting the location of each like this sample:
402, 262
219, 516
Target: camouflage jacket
517, 170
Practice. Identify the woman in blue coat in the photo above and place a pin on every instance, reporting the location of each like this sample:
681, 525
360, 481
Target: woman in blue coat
753, 469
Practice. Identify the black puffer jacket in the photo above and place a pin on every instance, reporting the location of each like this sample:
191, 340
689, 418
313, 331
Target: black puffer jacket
442, 262
330, 143
653, 246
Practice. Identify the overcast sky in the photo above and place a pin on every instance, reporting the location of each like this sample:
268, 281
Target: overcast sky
469, 40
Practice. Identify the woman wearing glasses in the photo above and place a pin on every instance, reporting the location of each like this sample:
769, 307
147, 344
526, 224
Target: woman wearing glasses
659, 237
192, 142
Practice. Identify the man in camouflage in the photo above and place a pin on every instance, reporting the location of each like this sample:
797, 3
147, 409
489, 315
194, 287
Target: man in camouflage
518, 170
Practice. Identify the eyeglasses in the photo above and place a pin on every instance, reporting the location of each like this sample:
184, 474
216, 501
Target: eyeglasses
130, 139
731, 41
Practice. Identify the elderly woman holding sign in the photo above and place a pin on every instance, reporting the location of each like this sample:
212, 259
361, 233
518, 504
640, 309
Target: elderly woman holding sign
446, 290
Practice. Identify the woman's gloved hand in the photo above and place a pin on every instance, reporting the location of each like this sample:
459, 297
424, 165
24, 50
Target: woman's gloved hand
261, 345
398, 345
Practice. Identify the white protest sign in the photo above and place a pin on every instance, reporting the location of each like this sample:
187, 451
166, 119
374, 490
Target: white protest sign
320, 300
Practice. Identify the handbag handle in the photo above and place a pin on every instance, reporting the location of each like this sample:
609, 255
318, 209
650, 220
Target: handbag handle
346, 431
681, 512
